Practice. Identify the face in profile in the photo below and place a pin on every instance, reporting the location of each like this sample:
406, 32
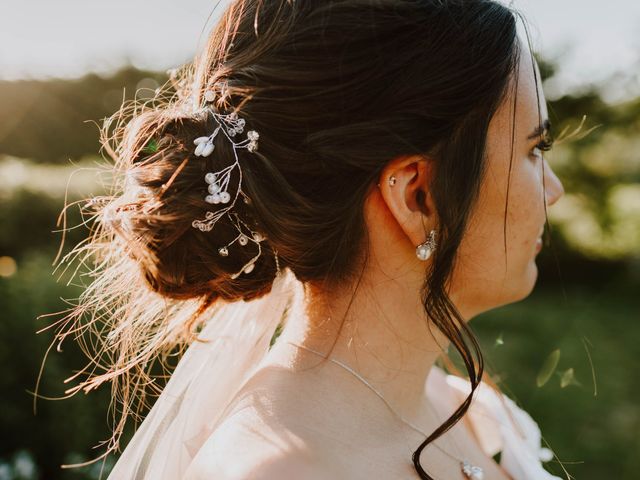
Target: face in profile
488, 273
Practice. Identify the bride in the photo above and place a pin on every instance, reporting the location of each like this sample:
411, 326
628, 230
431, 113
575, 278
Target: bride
331, 192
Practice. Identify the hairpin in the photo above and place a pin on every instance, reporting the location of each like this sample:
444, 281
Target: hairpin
218, 184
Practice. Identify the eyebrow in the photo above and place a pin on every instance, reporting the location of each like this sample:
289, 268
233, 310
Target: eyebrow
540, 129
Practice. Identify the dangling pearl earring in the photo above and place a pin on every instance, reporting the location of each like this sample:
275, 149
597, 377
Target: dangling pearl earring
424, 250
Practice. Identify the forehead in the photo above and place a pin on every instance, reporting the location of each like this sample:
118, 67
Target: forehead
531, 105
527, 96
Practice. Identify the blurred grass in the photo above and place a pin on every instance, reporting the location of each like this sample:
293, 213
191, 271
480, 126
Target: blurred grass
596, 424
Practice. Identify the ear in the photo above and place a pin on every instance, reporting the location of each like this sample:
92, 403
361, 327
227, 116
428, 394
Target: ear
409, 199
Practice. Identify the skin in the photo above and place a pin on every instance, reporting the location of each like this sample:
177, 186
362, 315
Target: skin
320, 408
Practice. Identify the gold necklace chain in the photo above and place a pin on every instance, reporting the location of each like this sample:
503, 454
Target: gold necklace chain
470, 471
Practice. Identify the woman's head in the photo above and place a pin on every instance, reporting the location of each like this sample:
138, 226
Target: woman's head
490, 269
341, 93
495, 261
336, 90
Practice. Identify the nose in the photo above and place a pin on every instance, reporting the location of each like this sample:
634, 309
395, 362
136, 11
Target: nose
553, 186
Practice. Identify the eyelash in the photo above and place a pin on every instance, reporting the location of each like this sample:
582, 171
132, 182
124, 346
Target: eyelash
544, 145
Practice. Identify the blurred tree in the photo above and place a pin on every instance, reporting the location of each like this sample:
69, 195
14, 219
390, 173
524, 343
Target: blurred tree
51, 120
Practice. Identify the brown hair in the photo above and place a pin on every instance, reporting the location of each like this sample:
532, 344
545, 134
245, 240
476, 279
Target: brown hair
336, 90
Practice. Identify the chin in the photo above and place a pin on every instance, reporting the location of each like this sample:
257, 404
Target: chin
521, 289
518, 289
529, 281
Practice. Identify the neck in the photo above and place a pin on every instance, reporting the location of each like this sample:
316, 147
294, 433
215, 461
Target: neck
384, 337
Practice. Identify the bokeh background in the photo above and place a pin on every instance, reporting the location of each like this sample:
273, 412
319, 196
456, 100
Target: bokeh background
568, 353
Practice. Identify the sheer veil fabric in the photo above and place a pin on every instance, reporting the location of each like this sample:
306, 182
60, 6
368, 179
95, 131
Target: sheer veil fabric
204, 383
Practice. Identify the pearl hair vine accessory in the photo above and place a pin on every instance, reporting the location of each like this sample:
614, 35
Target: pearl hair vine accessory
218, 184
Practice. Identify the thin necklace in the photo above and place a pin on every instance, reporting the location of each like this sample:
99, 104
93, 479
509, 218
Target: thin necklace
470, 471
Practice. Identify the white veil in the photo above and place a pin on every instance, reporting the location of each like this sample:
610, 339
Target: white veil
204, 383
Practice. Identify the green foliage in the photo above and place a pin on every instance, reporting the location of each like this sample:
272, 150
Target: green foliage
548, 368
60, 429
600, 212
151, 147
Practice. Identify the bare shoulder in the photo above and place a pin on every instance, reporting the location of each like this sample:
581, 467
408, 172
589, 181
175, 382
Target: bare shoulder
246, 448
285, 467
258, 440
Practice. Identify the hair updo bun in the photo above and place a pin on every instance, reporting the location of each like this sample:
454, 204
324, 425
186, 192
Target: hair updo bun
164, 193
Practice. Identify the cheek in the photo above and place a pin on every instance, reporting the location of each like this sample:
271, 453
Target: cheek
484, 275
482, 251
484, 231
526, 205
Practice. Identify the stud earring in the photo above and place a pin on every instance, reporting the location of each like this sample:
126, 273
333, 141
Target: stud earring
424, 250
392, 181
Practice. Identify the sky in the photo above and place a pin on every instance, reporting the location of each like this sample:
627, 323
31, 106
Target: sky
597, 42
